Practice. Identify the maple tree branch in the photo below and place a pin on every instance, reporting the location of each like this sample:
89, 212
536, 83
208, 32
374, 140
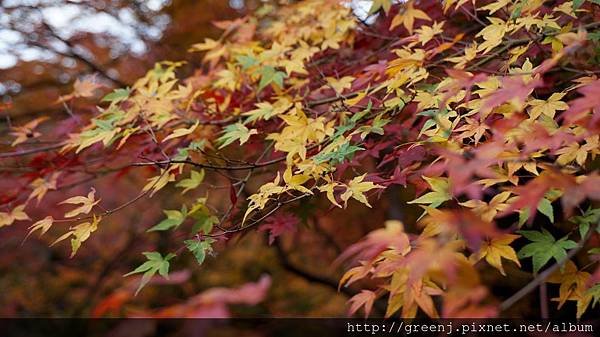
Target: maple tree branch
32, 151
541, 277
72, 53
289, 266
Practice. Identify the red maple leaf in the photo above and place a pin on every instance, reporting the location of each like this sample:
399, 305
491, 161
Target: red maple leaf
279, 224
513, 89
579, 106
531, 193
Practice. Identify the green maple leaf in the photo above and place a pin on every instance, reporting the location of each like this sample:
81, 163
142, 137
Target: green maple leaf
440, 192
199, 248
192, 182
587, 219
345, 151
545, 207
246, 61
174, 219
204, 222
117, 96
156, 263
235, 132
270, 75
377, 4
544, 247
594, 293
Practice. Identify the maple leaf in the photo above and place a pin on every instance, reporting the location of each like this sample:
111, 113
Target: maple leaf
159, 181
42, 225
118, 95
544, 247
87, 203
80, 233
514, 89
342, 153
354, 274
200, 248
182, 132
82, 88
572, 282
266, 110
532, 193
471, 227
377, 4
547, 107
492, 34
589, 218
41, 186
495, 6
15, 214
365, 299
208, 44
269, 75
589, 101
497, 248
390, 237
192, 182
103, 131
449, 3
593, 293
356, 188
235, 132
174, 219
329, 190
340, 84
259, 200
462, 80
279, 224
407, 17
578, 153
426, 33
440, 192
27, 131
156, 263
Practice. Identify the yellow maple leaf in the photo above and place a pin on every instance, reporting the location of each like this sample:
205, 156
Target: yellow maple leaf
87, 203
495, 6
356, 188
426, 33
41, 186
497, 248
578, 153
547, 107
407, 17
341, 84
16, 214
156, 183
80, 233
42, 225
487, 211
492, 34
259, 200
572, 283
329, 189
182, 132
27, 131
449, 3
208, 44
82, 88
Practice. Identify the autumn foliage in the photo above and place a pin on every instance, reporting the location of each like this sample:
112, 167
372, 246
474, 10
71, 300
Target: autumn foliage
488, 110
